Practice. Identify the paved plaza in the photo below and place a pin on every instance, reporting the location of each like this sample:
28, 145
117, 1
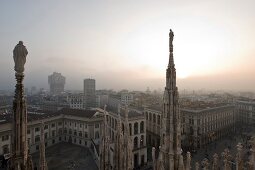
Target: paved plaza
229, 142
65, 156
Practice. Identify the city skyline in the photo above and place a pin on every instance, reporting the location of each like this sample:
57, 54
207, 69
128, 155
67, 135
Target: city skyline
214, 48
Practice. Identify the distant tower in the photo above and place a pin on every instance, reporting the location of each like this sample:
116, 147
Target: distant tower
171, 122
43, 163
20, 158
89, 93
57, 83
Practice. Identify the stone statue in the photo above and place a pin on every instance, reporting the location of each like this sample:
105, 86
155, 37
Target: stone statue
171, 37
19, 56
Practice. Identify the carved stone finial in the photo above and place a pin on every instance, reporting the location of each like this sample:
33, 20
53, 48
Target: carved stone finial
215, 162
226, 157
205, 164
188, 167
197, 166
19, 56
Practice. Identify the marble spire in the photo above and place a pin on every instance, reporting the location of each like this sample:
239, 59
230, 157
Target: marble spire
171, 122
20, 158
43, 163
104, 147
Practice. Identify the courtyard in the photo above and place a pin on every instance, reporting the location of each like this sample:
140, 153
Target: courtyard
66, 156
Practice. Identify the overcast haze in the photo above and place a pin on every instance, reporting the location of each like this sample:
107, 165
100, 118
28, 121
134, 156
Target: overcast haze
124, 44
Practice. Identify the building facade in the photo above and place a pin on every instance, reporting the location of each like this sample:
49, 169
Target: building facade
76, 101
204, 125
246, 111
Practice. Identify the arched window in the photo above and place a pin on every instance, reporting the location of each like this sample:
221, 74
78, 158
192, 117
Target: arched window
158, 119
142, 141
130, 129
122, 127
136, 128
136, 142
154, 118
142, 127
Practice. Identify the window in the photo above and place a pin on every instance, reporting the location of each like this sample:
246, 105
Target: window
154, 118
80, 133
45, 127
37, 129
60, 138
96, 135
136, 128
75, 133
53, 125
5, 137
70, 131
136, 142
46, 135
59, 123
158, 119
86, 143
142, 140
6, 149
37, 138
65, 131
28, 131
80, 142
80, 125
97, 125
60, 131
142, 127
86, 134
130, 129
37, 147
46, 144
53, 133
53, 141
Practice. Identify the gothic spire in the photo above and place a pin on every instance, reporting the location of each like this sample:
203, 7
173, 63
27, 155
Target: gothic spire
43, 163
20, 158
170, 126
104, 146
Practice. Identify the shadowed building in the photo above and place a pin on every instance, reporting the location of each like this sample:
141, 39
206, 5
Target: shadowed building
57, 83
89, 93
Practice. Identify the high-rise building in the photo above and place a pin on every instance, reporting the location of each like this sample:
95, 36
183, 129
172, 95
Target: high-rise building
89, 93
57, 83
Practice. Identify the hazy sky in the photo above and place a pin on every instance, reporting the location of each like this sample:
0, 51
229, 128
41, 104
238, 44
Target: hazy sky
124, 44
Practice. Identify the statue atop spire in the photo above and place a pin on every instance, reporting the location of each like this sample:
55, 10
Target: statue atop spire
171, 37
19, 56
171, 57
